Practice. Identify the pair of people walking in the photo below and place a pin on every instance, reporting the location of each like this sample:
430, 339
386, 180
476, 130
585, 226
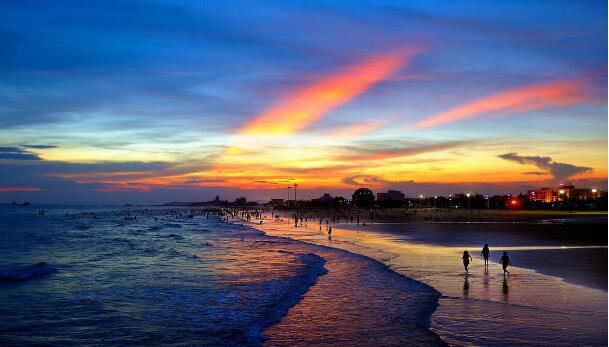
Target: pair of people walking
486, 253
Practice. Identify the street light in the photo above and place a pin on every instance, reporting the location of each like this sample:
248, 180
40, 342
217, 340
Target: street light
435, 201
468, 194
594, 196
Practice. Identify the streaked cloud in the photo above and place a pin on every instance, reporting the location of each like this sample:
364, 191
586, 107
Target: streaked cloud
518, 100
388, 152
535, 173
193, 99
16, 153
310, 103
19, 189
560, 171
39, 146
367, 180
356, 129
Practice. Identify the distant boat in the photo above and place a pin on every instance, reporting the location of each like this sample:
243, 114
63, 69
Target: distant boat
27, 203
128, 205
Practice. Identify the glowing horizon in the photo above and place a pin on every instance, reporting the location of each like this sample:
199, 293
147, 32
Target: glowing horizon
332, 98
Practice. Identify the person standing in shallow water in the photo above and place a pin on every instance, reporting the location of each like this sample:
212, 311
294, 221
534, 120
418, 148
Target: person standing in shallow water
466, 259
505, 261
486, 254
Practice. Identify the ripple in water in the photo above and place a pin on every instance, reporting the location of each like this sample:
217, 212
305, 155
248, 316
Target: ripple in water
196, 282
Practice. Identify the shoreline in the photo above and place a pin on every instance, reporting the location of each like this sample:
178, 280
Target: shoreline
563, 236
523, 289
421, 299
560, 250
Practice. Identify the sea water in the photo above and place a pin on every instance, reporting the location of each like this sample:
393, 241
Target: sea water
154, 276
484, 307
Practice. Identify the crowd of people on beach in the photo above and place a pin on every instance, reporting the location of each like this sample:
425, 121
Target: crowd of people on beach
248, 215
302, 220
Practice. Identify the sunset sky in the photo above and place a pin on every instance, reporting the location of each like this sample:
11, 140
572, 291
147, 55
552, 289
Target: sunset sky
147, 102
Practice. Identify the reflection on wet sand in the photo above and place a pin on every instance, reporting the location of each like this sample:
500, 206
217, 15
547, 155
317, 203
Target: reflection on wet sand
465, 285
523, 303
506, 288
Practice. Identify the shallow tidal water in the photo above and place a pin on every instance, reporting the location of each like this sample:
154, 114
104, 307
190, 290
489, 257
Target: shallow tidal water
484, 307
181, 277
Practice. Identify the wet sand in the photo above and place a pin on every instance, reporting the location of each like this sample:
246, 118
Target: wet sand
575, 252
427, 215
484, 307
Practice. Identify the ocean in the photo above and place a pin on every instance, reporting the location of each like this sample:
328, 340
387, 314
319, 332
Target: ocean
165, 276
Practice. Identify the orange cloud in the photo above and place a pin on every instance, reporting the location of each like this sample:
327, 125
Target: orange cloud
355, 130
309, 104
390, 153
534, 97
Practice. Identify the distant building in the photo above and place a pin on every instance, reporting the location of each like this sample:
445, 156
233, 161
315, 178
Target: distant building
390, 195
562, 193
277, 203
543, 195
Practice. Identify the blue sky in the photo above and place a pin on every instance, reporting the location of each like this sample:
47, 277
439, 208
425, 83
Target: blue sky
151, 91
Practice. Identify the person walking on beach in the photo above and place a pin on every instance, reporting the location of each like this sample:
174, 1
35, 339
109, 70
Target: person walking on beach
485, 254
466, 259
329, 233
505, 261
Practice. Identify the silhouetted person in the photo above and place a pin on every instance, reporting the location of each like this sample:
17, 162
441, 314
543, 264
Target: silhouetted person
466, 259
329, 233
505, 261
486, 254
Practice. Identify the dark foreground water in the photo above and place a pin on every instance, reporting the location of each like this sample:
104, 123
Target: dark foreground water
162, 277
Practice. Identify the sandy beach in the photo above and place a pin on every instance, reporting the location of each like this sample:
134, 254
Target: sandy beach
574, 252
540, 299
571, 245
